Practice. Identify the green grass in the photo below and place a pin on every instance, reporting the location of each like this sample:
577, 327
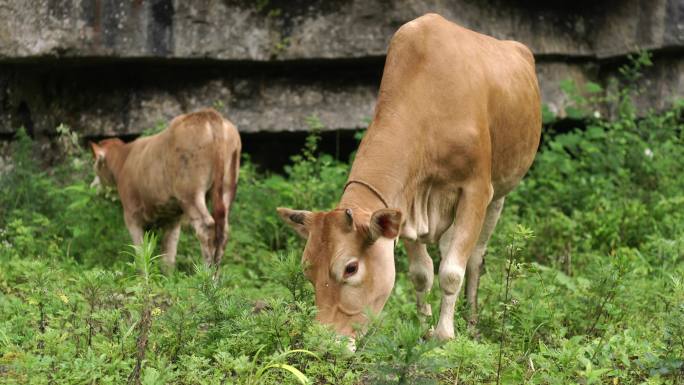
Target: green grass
595, 296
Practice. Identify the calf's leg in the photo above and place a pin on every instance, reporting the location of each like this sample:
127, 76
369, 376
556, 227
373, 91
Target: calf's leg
218, 253
475, 261
170, 246
203, 223
456, 246
230, 190
135, 228
421, 274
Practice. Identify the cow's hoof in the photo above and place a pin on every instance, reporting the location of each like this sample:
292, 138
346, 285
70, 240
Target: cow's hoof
260, 306
424, 311
168, 269
441, 334
349, 342
429, 333
474, 331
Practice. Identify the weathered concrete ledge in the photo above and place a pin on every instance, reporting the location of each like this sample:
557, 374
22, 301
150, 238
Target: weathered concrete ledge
127, 98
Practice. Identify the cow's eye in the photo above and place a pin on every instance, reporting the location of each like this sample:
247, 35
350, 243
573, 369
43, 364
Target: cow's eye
351, 269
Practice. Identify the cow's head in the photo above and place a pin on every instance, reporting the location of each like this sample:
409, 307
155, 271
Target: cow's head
103, 173
349, 259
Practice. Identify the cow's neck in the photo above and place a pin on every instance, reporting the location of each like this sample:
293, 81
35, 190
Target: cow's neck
358, 196
384, 164
116, 157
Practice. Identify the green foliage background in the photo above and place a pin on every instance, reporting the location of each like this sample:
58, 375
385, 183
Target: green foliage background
595, 296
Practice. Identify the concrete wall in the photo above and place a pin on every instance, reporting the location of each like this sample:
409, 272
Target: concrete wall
108, 67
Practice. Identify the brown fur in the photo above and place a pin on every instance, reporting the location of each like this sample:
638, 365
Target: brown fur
162, 177
456, 126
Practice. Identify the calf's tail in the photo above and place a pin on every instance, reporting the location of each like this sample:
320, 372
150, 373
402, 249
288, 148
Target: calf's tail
218, 211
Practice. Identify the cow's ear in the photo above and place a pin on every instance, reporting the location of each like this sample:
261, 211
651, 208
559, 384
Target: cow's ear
384, 223
297, 219
98, 151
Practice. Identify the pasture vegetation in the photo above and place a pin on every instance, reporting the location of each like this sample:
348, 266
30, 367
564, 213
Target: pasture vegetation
584, 280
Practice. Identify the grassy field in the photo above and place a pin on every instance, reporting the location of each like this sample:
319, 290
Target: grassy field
584, 280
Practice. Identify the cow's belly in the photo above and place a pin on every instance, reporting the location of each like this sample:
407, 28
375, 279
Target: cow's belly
431, 213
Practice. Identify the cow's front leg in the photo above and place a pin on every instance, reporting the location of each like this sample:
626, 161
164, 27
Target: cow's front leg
170, 246
422, 275
456, 246
475, 261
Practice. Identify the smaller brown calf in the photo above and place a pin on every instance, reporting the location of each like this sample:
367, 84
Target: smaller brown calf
163, 177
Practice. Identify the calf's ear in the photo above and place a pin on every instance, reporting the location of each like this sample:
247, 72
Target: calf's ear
384, 223
297, 219
98, 152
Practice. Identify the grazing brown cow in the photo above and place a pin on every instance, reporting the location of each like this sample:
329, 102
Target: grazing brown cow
162, 177
456, 127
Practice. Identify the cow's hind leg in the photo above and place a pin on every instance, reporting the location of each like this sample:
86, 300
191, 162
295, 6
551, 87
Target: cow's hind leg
456, 246
475, 260
170, 246
422, 275
203, 223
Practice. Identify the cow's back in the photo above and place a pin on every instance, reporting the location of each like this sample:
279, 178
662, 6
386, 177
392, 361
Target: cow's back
448, 95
